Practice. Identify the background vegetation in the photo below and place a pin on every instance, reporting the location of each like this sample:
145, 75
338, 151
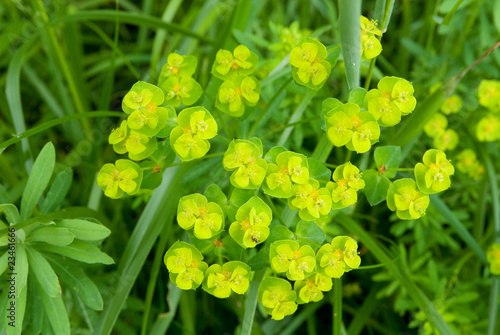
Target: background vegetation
66, 65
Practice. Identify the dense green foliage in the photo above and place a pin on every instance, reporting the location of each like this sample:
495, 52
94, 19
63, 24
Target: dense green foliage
251, 167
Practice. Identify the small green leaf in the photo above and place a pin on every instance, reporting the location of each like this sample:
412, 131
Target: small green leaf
3, 262
38, 180
55, 310
74, 277
357, 96
376, 186
85, 230
309, 233
271, 155
58, 190
279, 232
4, 196
259, 261
152, 176
231, 249
44, 273
215, 194
80, 251
11, 213
238, 198
390, 157
318, 171
51, 235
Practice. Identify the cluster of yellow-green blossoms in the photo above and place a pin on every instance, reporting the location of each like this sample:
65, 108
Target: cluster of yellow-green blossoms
468, 164
370, 45
232, 276
244, 158
488, 127
309, 65
410, 199
176, 80
123, 176
346, 182
392, 98
452, 105
289, 38
239, 88
443, 139
347, 125
185, 265
290, 169
147, 120
252, 223
195, 126
493, 256
207, 218
312, 272
312, 201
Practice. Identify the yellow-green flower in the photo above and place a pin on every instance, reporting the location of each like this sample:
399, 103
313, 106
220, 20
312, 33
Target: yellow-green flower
252, 223
310, 67
347, 179
433, 175
452, 105
123, 176
220, 281
290, 168
447, 140
467, 162
195, 126
241, 62
488, 128
288, 256
185, 265
404, 198
277, 297
313, 201
235, 94
245, 157
338, 257
436, 125
312, 288
207, 218
489, 94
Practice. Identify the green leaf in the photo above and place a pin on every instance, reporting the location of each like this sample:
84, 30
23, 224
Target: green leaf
11, 213
38, 180
74, 277
251, 302
4, 263
318, 171
4, 196
215, 194
21, 270
309, 233
151, 177
58, 190
376, 187
390, 157
51, 235
447, 19
231, 249
45, 275
85, 230
350, 33
271, 155
164, 320
80, 251
238, 198
357, 96
279, 232
55, 310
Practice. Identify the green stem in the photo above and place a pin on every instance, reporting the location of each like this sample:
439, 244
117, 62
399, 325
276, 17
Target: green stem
337, 306
52, 123
64, 65
350, 33
251, 302
400, 170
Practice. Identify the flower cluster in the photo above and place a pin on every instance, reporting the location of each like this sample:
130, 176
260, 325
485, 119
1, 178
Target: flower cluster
244, 158
311, 271
207, 218
137, 135
287, 170
493, 256
195, 126
239, 88
309, 65
185, 265
370, 45
176, 82
488, 128
252, 223
468, 164
444, 138
289, 38
346, 182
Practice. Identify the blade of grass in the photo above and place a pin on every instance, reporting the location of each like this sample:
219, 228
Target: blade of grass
296, 116
164, 321
251, 302
363, 313
52, 123
431, 313
350, 33
458, 226
159, 211
130, 18
337, 306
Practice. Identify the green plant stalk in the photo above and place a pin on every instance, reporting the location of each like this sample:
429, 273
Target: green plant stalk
350, 33
433, 316
153, 279
296, 116
38, 4
52, 123
251, 302
159, 211
337, 306
495, 199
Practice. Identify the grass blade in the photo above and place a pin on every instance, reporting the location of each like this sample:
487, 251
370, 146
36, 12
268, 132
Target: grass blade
350, 33
251, 302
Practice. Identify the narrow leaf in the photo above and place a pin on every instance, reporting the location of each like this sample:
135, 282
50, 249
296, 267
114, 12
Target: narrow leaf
376, 187
350, 33
80, 251
58, 190
85, 230
55, 310
38, 180
46, 277
51, 235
